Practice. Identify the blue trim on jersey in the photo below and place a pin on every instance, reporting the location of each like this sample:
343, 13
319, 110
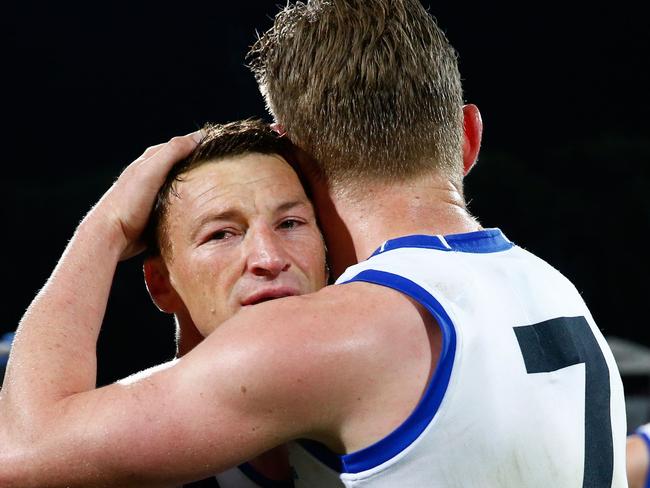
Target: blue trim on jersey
256, 477
646, 438
421, 417
482, 241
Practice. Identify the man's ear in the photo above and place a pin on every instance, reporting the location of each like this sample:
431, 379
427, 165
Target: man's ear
163, 294
473, 129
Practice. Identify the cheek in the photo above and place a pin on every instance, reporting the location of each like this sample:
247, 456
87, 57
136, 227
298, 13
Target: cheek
210, 302
209, 277
311, 259
200, 288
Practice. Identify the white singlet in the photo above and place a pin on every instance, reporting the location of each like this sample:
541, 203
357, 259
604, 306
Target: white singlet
526, 392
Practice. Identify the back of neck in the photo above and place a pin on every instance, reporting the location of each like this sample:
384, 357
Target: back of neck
356, 223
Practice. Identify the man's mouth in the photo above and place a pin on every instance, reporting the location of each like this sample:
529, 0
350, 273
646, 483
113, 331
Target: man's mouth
270, 294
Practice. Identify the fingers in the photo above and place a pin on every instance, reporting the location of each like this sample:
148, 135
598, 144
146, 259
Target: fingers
173, 151
150, 151
196, 137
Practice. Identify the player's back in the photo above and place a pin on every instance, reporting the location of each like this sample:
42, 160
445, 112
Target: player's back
526, 391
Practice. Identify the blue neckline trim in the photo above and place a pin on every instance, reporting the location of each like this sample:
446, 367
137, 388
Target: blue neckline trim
482, 241
421, 417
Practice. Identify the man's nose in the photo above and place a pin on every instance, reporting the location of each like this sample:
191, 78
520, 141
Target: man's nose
266, 253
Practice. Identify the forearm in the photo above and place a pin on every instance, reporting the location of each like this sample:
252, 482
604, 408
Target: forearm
54, 352
54, 424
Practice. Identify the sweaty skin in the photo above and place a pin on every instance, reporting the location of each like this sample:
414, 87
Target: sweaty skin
242, 231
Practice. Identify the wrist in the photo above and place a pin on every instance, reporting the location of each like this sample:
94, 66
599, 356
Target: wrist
103, 231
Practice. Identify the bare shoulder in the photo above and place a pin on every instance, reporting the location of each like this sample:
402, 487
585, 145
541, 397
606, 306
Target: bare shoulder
348, 322
328, 357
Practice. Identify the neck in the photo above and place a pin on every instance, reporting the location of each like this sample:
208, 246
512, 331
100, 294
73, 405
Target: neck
357, 224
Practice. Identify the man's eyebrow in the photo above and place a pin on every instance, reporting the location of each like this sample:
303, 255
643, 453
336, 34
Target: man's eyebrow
231, 214
292, 204
197, 225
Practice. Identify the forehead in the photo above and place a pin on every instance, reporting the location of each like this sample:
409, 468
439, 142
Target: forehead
250, 182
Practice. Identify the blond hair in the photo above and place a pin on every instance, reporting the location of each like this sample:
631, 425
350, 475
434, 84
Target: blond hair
370, 88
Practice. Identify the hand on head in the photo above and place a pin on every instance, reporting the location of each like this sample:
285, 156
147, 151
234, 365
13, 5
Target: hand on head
127, 204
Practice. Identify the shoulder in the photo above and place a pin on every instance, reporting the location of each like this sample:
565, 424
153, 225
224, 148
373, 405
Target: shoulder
317, 357
348, 322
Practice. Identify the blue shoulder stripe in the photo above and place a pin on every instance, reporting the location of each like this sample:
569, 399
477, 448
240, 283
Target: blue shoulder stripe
421, 417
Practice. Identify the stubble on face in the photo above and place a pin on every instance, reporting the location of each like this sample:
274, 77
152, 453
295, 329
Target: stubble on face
242, 231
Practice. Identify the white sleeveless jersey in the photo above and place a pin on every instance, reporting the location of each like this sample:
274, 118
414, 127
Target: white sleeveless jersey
526, 392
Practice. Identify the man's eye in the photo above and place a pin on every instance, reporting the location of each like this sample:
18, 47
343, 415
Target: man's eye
220, 235
290, 224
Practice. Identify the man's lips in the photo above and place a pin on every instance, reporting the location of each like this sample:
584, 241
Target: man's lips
269, 294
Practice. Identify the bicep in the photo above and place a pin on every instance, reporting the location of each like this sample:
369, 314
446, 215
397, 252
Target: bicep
259, 380
188, 420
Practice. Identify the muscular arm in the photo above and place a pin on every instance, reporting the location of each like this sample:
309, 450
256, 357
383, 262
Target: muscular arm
261, 379
221, 404
53, 355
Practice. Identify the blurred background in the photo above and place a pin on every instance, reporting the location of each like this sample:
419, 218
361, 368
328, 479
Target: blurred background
563, 169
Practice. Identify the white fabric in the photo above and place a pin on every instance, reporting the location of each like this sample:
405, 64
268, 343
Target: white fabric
497, 425
644, 429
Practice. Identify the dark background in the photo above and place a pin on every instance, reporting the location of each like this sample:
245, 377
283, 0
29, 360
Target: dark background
563, 171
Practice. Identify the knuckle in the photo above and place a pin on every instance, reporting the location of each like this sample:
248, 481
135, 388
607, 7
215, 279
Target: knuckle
180, 143
176, 142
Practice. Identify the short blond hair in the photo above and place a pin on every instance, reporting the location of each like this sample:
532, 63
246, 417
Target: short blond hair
369, 88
